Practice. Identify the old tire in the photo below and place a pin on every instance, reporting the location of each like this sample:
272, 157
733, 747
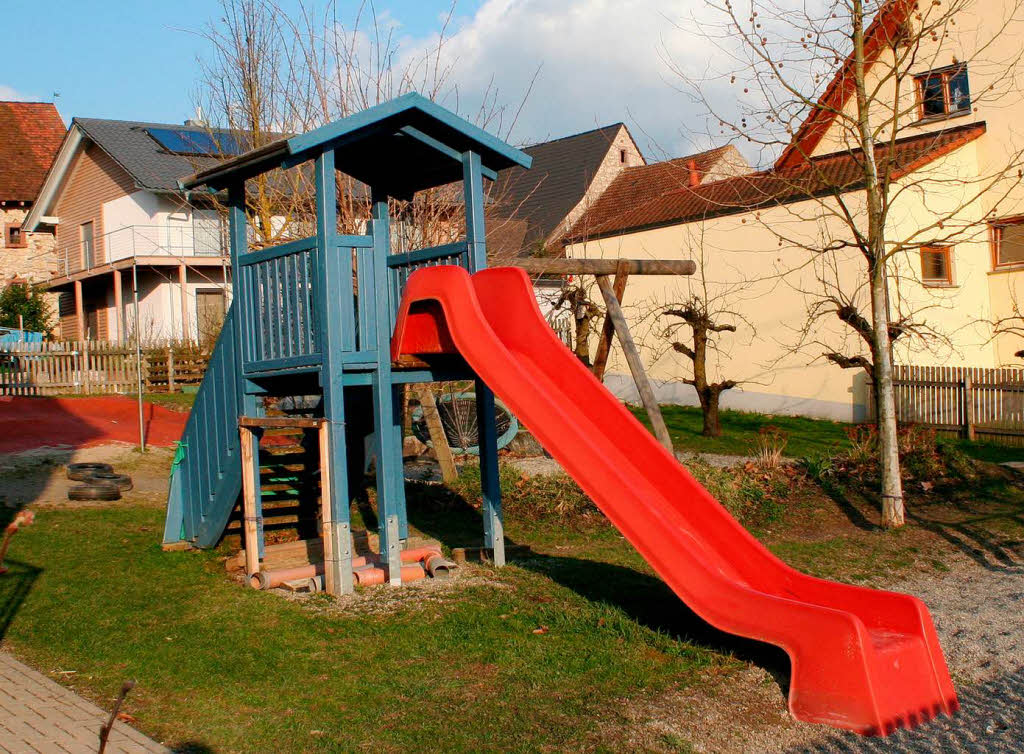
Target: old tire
80, 471
122, 481
94, 491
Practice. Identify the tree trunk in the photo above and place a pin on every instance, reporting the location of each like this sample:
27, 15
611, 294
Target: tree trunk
709, 400
874, 249
885, 405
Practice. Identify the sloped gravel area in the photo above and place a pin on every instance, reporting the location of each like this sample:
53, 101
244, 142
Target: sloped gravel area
978, 608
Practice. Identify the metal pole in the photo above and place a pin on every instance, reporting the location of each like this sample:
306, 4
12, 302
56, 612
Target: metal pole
138, 355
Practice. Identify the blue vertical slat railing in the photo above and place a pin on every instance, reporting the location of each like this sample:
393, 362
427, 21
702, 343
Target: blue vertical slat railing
280, 330
401, 266
206, 476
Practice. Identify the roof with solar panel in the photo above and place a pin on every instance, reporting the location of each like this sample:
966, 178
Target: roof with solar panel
156, 155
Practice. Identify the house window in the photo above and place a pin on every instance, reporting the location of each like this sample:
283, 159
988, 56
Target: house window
88, 255
944, 92
622, 156
1008, 243
936, 265
13, 237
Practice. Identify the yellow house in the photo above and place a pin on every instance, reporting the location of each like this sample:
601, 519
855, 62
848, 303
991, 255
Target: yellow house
773, 249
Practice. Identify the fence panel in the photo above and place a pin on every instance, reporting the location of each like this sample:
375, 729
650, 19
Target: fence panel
95, 368
978, 403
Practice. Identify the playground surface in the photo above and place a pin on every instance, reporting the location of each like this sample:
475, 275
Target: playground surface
38, 716
575, 646
32, 423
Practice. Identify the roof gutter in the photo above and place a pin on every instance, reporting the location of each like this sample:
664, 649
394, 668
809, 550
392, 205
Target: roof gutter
54, 178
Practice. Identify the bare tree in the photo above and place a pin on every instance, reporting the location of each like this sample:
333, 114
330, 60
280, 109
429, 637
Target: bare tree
703, 329
831, 85
272, 72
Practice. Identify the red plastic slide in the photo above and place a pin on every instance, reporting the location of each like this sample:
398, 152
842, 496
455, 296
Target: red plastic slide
862, 659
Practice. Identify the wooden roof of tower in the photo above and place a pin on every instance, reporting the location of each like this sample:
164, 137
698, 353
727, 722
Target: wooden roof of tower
399, 147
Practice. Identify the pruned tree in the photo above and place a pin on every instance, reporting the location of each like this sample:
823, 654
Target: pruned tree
576, 300
850, 97
703, 329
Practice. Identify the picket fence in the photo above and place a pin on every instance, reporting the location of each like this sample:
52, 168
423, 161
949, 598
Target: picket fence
977, 403
95, 368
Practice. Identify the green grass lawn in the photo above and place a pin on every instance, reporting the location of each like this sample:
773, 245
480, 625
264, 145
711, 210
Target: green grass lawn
740, 431
560, 651
225, 667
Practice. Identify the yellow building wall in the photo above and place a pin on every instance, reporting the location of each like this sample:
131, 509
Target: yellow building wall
769, 290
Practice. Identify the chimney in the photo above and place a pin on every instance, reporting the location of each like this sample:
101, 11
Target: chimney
691, 165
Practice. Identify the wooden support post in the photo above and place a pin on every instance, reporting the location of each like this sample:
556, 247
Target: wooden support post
969, 406
79, 311
186, 334
438, 438
636, 365
86, 371
251, 512
490, 488
604, 344
119, 305
331, 574
330, 291
170, 370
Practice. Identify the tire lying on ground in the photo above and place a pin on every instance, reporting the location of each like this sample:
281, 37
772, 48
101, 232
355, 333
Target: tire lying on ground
94, 491
80, 471
122, 481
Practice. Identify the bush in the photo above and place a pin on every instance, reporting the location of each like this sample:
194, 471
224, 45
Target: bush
23, 306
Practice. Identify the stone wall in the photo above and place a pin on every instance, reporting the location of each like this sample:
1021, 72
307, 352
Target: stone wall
35, 261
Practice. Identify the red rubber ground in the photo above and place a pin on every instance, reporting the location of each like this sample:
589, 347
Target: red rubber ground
29, 423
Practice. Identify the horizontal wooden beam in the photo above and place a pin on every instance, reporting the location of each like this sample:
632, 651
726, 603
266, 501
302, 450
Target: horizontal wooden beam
279, 422
560, 266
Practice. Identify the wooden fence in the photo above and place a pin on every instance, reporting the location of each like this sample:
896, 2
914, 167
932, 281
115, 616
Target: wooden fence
983, 404
94, 368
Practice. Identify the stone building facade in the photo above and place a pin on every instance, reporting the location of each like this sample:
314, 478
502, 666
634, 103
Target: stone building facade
30, 133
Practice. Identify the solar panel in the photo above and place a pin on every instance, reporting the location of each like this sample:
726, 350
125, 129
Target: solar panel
188, 141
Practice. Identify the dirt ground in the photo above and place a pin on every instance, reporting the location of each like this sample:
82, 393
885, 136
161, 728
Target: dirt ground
38, 477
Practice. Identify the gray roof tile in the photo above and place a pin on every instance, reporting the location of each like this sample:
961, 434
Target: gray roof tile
150, 165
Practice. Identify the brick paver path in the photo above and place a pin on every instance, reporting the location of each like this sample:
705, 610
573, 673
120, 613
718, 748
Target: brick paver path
38, 716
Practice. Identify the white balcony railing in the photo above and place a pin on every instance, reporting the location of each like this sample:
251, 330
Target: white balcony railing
143, 241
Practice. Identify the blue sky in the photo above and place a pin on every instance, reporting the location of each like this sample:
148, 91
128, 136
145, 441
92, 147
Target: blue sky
130, 59
594, 61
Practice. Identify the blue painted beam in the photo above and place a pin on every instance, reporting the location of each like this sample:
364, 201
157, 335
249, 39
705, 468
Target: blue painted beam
332, 290
425, 255
502, 154
386, 408
454, 154
281, 250
490, 487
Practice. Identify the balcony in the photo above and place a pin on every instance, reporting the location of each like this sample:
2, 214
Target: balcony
142, 244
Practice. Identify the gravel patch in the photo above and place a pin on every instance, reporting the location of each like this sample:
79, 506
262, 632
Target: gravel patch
979, 615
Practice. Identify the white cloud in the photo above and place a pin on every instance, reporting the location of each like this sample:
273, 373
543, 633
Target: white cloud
599, 61
9, 93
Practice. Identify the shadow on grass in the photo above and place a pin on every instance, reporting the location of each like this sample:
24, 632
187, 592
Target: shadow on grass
839, 496
15, 586
972, 537
645, 598
956, 519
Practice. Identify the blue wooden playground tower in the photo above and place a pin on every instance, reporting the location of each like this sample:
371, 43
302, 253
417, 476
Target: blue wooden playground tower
297, 325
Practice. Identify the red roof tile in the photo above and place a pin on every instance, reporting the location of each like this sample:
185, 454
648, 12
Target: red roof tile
30, 134
629, 205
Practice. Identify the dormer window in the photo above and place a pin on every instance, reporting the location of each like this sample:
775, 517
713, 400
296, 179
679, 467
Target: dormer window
944, 92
